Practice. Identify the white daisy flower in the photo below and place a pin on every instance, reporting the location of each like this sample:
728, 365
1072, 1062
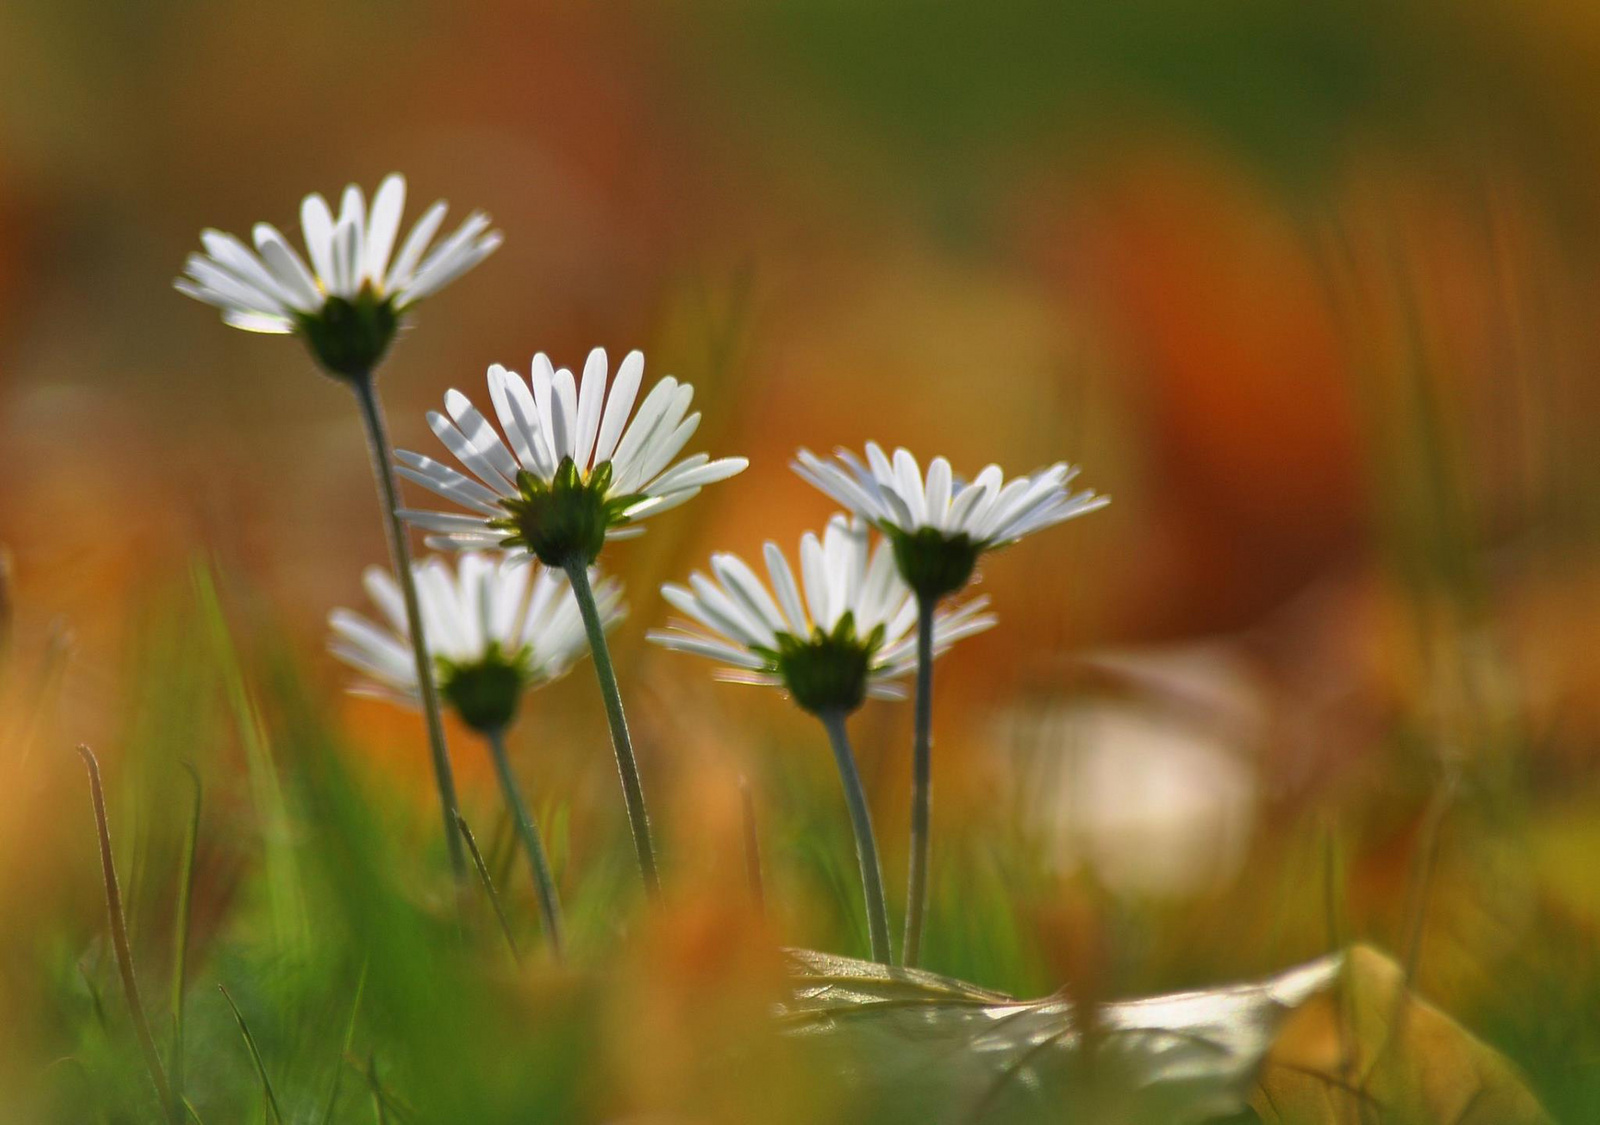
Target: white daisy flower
941, 524
494, 628
572, 470
852, 634
350, 299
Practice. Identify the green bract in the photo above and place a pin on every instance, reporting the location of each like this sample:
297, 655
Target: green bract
566, 517
932, 563
349, 337
828, 671
485, 692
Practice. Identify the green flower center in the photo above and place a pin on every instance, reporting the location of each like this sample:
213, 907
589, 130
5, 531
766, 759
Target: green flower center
565, 518
485, 692
827, 671
348, 336
932, 563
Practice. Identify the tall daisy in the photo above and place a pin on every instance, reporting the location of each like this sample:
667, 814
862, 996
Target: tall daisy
848, 638
347, 306
578, 465
939, 525
496, 628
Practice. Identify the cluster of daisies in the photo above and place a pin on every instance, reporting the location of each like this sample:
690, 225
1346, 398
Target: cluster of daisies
559, 464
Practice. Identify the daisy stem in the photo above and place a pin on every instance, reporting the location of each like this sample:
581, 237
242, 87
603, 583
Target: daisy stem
632, 791
400, 553
549, 906
866, 844
921, 786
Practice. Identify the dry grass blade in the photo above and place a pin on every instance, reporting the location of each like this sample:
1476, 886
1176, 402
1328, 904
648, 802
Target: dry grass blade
119, 937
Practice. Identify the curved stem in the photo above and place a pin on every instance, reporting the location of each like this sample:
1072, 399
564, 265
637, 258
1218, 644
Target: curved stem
627, 766
866, 843
549, 907
400, 555
921, 786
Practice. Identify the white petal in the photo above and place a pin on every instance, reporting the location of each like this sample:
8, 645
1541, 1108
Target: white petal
405, 264
749, 626
258, 322
783, 584
238, 291
662, 448
468, 454
353, 214
446, 261
346, 259
814, 574
479, 432
655, 505
388, 202
316, 224
743, 585
697, 476
624, 389
590, 403
444, 272
513, 402
655, 404
564, 415
938, 498
448, 483
684, 641
287, 266
837, 484
385, 593
446, 521
691, 603
384, 651
234, 255
909, 485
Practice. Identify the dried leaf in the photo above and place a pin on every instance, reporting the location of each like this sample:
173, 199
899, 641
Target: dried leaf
1370, 1050
930, 1048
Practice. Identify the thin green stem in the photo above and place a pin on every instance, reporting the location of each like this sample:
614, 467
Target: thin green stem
627, 766
866, 843
921, 786
400, 554
549, 906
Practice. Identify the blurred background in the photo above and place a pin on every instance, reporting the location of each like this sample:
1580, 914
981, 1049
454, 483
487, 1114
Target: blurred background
1309, 290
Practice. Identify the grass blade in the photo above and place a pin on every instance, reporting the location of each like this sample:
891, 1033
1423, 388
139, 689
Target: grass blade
283, 877
119, 936
180, 941
275, 1112
349, 1034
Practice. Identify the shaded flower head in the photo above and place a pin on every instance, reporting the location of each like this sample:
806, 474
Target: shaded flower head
573, 469
850, 636
350, 300
940, 524
494, 628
